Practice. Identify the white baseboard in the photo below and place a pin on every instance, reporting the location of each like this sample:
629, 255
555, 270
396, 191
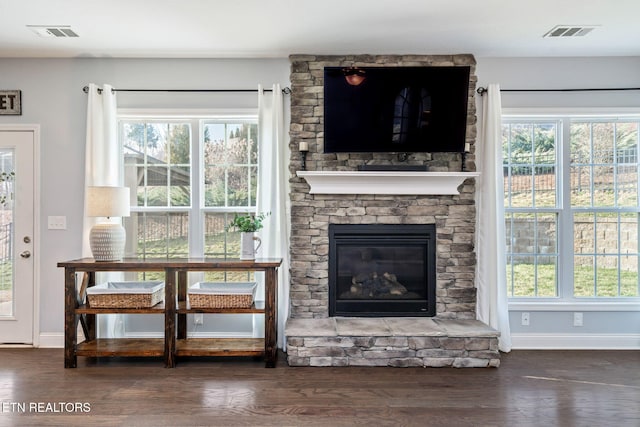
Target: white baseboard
575, 341
56, 339
51, 340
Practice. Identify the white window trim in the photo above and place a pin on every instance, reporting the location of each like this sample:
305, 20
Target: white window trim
181, 113
555, 112
563, 302
623, 306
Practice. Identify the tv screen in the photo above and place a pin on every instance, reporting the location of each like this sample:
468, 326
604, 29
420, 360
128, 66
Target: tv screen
396, 109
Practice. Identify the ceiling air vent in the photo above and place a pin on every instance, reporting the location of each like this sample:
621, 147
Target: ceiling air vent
53, 30
569, 31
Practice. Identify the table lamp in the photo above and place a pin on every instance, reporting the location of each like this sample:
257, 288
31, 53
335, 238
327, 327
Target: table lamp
107, 239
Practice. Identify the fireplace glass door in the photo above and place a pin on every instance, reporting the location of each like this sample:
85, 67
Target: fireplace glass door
381, 270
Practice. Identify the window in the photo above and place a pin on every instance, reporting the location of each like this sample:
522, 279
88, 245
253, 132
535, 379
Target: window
531, 207
188, 178
571, 206
604, 206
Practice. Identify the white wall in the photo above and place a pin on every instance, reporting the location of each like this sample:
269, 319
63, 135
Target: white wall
553, 327
52, 97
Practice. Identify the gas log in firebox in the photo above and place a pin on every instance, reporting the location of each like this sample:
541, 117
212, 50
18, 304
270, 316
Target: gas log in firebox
382, 270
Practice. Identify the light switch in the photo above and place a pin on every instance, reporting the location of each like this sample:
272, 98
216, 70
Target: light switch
57, 222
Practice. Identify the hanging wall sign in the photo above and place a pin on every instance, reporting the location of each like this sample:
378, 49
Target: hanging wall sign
10, 103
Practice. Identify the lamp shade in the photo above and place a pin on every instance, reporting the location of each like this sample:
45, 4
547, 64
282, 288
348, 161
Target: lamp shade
108, 201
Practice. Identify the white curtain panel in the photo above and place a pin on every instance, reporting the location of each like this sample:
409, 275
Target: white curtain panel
492, 304
273, 193
102, 155
102, 167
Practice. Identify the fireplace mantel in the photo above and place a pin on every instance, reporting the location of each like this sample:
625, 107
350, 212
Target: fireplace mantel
385, 182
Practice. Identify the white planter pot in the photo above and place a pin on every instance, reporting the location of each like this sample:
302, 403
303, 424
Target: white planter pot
248, 245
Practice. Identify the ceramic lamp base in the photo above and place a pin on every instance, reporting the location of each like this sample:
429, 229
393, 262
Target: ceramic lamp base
107, 242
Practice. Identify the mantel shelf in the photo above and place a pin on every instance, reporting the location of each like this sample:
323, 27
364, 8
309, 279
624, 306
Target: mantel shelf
385, 182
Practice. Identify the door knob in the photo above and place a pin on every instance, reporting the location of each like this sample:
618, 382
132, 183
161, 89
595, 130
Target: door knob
25, 254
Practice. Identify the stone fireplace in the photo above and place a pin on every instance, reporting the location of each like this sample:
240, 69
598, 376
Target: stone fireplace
319, 334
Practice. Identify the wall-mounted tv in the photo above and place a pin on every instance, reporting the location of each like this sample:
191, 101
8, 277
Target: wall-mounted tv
395, 109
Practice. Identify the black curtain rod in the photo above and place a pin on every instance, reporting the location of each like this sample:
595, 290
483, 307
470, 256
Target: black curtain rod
481, 90
285, 90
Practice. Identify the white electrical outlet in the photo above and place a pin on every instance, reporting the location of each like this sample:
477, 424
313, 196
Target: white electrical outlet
525, 319
198, 319
577, 319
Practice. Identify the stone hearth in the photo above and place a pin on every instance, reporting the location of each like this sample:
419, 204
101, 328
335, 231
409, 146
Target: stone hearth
397, 342
453, 337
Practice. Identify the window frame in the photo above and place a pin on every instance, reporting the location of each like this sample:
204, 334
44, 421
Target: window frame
197, 118
566, 301
556, 209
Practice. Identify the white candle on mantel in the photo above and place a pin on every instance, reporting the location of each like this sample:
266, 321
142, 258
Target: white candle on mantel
304, 146
467, 147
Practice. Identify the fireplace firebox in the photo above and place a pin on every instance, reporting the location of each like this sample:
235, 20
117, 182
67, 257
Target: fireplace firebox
378, 270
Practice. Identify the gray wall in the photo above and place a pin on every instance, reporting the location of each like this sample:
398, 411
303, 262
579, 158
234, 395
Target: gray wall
561, 73
52, 97
524, 73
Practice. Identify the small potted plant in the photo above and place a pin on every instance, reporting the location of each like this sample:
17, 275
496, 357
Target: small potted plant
247, 225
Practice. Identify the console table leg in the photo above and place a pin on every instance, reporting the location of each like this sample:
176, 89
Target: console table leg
170, 318
271, 318
182, 299
70, 322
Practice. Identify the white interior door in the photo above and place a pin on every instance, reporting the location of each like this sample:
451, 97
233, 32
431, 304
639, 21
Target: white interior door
17, 189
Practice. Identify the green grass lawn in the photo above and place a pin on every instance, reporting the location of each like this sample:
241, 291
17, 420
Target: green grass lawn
524, 282
6, 275
214, 248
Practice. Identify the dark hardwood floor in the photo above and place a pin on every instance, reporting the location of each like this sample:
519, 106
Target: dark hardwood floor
531, 388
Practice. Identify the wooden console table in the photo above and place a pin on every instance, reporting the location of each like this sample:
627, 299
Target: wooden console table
175, 306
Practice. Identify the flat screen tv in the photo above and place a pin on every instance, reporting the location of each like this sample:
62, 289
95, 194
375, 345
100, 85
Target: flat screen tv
395, 109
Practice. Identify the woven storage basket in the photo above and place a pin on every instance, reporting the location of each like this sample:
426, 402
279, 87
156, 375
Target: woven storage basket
222, 294
125, 294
